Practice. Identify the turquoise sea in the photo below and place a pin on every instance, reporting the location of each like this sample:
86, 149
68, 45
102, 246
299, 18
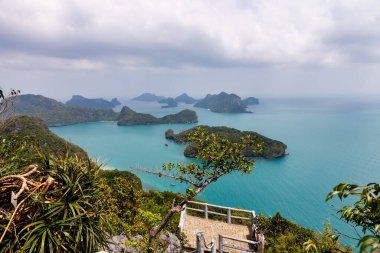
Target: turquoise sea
329, 141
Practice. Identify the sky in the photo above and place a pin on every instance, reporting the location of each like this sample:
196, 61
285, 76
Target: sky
122, 48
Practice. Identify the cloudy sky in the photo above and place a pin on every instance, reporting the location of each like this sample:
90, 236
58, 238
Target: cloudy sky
125, 47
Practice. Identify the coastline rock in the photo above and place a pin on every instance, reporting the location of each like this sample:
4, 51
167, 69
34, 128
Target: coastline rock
173, 244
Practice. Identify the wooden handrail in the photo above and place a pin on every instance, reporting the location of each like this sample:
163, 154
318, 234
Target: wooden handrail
229, 216
222, 207
227, 245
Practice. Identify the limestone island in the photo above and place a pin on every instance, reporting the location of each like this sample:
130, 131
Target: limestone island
250, 101
270, 148
148, 97
169, 101
97, 103
184, 98
223, 103
129, 117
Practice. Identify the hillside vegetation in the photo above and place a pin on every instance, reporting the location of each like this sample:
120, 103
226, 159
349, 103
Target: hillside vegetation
54, 113
34, 129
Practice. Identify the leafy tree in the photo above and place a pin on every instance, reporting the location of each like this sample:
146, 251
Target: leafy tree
7, 103
217, 157
325, 242
364, 214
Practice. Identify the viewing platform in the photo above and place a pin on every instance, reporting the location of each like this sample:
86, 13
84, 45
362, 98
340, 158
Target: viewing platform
209, 228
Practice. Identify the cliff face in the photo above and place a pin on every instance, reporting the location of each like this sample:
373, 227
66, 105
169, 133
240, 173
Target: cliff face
129, 117
270, 148
222, 103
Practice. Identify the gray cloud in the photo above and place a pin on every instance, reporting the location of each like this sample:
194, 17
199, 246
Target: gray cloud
258, 47
192, 33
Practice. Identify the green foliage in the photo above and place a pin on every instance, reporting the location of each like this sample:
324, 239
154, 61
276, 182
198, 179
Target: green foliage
363, 214
58, 213
284, 236
129, 209
110, 175
270, 148
36, 132
325, 242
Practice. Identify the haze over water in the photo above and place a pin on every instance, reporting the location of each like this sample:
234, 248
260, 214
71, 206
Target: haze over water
329, 141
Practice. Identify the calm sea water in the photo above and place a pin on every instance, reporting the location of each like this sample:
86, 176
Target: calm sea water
329, 141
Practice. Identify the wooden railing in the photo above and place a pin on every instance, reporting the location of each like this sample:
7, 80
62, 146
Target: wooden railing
228, 211
212, 247
223, 245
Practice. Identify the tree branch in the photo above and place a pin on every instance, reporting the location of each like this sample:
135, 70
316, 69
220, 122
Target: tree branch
23, 179
169, 176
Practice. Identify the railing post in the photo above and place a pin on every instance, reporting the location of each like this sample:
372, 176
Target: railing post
220, 244
182, 218
213, 246
229, 216
200, 242
206, 211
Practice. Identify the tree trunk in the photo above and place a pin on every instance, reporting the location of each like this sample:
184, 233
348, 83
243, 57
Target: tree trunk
157, 229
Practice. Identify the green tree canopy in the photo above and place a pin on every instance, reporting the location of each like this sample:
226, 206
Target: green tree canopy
364, 214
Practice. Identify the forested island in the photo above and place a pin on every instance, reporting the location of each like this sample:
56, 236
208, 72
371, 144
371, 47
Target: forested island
250, 101
148, 97
170, 102
129, 117
270, 148
55, 113
97, 103
223, 103
184, 98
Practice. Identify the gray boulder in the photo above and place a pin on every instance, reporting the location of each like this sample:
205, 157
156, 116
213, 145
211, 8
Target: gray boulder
171, 242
